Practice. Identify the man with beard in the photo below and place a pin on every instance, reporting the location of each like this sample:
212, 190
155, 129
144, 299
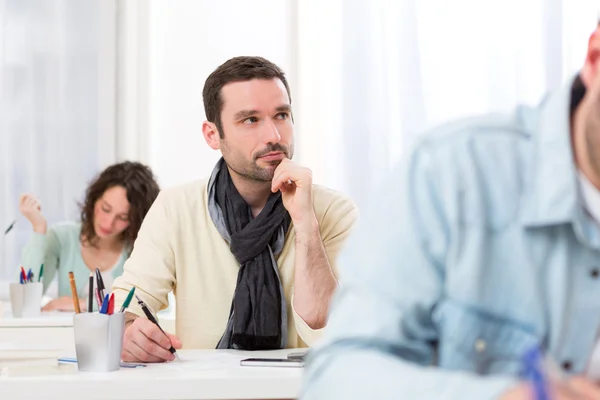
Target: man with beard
249, 252
483, 252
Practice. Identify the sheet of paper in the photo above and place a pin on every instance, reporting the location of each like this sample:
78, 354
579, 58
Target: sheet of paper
205, 362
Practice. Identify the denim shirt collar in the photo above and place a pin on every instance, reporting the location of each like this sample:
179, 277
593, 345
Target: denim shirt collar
554, 195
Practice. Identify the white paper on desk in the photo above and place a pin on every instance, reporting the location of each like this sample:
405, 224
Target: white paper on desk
206, 362
593, 367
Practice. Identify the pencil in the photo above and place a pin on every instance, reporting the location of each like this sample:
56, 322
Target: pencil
74, 292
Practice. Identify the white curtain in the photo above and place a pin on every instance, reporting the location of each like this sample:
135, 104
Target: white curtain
56, 109
373, 74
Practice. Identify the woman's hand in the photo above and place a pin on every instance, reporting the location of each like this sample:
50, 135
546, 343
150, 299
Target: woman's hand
31, 209
64, 303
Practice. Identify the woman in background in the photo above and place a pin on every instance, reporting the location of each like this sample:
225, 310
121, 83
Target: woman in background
115, 205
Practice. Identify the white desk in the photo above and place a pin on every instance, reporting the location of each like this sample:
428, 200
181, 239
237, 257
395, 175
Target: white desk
203, 374
53, 329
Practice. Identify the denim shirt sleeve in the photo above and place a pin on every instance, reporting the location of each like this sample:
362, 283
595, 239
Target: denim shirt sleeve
380, 341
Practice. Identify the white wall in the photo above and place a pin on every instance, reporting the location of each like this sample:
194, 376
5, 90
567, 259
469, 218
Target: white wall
578, 23
188, 39
311, 40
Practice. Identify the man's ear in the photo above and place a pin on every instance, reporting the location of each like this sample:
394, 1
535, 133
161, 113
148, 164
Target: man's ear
590, 73
211, 135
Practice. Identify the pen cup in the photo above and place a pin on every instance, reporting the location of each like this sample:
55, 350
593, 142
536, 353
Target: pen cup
98, 341
26, 300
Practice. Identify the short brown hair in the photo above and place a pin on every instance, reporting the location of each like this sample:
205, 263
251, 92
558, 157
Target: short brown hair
237, 69
141, 187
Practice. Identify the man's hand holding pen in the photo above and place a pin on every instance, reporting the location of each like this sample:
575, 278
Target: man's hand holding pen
145, 342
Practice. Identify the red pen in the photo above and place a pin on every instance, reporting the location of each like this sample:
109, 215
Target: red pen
111, 304
23, 275
98, 299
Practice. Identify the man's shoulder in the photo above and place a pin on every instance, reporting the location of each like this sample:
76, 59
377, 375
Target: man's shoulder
331, 205
481, 132
187, 192
471, 150
182, 201
474, 169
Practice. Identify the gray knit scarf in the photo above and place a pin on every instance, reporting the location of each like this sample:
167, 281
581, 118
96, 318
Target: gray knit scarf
258, 315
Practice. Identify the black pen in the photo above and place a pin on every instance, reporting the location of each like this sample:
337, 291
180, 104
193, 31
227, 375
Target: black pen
91, 293
155, 322
10, 227
100, 283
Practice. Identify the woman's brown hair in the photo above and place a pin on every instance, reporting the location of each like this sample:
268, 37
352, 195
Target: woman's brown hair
141, 187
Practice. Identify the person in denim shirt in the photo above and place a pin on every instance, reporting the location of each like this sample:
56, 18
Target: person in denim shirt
483, 243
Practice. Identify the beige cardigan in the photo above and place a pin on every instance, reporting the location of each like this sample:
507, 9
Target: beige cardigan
178, 248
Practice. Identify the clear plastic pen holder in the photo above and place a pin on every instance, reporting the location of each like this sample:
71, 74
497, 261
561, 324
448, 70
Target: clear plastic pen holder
98, 341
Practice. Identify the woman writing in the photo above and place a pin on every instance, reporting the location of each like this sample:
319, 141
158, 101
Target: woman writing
115, 205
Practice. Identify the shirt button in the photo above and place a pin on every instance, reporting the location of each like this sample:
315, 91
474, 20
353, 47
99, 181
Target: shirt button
480, 345
595, 273
566, 365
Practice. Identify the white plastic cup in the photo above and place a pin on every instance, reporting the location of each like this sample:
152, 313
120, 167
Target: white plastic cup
26, 299
98, 341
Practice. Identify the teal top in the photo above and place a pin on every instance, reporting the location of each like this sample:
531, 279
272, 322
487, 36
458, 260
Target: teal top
60, 252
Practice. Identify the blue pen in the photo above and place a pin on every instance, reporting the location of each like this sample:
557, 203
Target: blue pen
534, 372
69, 360
104, 309
29, 276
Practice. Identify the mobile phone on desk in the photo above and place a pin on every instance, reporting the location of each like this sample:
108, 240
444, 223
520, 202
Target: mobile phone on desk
271, 362
297, 356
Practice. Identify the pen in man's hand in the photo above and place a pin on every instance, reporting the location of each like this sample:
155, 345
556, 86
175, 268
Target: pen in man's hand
155, 322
